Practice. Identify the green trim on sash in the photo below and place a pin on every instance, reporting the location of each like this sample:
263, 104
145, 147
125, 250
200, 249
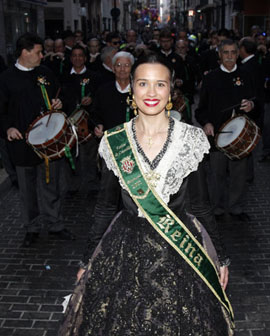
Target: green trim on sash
164, 221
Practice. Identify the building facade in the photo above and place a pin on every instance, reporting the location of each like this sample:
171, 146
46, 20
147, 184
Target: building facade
240, 15
16, 18
65, 14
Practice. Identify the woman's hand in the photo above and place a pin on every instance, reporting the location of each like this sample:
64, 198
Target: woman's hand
224, 276
209, 129
80, 273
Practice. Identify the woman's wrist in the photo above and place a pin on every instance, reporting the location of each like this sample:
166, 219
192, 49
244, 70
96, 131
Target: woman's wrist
82, 265
225, 261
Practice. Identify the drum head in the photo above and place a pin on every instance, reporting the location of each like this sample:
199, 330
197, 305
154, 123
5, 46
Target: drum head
76, 116
41, 133
176, 115
234, 128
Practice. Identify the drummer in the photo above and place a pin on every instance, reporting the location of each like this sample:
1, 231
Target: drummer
21, 102
79, 88
221, 90
80, 84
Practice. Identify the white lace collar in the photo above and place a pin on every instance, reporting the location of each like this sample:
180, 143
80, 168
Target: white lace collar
183, 155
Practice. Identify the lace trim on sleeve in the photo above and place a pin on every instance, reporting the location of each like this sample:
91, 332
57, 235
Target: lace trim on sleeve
193, 145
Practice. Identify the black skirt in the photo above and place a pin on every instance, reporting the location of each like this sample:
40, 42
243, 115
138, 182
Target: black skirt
136, 284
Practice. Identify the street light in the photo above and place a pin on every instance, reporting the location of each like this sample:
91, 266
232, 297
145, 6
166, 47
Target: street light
115, 13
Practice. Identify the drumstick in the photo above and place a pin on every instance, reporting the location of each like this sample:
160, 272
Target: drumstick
224, 132
37, 125
57, 94
236, 105
79, 106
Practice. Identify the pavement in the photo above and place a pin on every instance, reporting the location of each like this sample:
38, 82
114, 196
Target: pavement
33, 281
3, 175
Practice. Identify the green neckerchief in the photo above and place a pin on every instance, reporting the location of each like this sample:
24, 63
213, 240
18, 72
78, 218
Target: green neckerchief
163, 220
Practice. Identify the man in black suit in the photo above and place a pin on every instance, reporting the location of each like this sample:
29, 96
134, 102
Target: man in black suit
222, 88
210, 58
106, 72
167, 51
250, 64
22, 99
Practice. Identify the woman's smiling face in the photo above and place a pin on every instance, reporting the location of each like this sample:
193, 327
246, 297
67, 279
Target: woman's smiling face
151, 87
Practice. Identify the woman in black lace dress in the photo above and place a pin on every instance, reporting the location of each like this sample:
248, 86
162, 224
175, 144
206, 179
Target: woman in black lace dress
134, 281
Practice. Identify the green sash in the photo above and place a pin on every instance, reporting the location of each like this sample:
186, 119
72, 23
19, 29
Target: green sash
164, 221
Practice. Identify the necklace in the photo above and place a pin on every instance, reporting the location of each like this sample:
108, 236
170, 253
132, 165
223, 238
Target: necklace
150, 142
153, 165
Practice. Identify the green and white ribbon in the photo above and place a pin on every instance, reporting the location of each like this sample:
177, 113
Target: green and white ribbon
45, 97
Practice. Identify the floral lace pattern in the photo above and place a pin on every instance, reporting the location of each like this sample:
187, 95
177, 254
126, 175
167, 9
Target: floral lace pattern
137, 285
184, 152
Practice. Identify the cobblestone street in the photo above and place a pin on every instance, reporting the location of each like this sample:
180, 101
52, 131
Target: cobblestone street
33, 281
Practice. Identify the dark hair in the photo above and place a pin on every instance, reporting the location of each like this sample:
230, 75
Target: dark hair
183, 30
249, 45
165, 33
79, 32
213, 33
27, 41
80, 48
111, 36
153, 58
67, 34
93, 38
224, 32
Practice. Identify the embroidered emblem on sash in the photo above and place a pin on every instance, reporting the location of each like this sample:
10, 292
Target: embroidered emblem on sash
127, 165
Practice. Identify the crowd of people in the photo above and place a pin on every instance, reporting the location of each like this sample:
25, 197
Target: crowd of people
154, 165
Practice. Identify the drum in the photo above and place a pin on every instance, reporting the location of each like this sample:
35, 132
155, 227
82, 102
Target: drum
50, 137
80, 120
237, 137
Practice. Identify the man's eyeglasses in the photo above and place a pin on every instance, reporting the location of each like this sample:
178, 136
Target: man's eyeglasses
125, 65
116, 42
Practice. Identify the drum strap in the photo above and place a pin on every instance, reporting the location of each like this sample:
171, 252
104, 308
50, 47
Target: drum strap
45, 97
83, 91
69, 157
46, 162
47, 170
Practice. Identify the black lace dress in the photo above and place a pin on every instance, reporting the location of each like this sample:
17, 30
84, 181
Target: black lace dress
136, 284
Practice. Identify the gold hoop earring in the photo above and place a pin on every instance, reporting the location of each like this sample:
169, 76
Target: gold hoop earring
134, 106
169, 106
